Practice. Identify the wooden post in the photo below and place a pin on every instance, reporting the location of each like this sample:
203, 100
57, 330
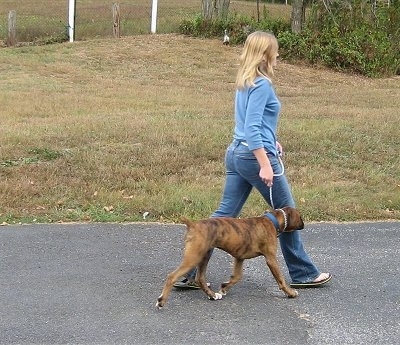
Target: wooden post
116, 21
12, 31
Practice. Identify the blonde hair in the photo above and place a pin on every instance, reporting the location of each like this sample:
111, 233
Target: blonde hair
259, 52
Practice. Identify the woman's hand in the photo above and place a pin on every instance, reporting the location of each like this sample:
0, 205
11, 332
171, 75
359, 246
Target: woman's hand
266, 173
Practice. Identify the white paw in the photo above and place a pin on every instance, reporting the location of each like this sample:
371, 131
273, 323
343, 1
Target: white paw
159, 305
223, 293
216, 297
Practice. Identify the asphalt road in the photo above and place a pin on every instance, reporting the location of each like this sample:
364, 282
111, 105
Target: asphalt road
98, 284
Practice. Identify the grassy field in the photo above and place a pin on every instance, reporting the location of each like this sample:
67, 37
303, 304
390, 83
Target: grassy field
107, 130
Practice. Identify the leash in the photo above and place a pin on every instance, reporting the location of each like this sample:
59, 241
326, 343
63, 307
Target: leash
276, 175
284, 217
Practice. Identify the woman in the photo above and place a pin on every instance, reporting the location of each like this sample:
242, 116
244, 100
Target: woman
253, 158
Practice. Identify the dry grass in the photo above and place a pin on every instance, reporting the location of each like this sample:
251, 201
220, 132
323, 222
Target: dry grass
107, 130
46, 20
91, 7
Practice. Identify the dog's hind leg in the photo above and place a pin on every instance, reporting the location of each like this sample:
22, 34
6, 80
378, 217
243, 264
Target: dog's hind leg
201, 279
169, 282
235, 277
188, 262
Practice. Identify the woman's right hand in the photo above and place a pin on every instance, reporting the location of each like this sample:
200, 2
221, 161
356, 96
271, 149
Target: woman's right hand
267, 175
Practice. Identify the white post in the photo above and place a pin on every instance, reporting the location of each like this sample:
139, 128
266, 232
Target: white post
71, 20
154, 17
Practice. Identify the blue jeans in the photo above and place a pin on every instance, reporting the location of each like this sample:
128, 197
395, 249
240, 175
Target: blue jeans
242, 174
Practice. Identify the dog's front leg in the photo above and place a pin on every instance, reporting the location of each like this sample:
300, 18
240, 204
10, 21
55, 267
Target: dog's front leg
273, 265
235, 277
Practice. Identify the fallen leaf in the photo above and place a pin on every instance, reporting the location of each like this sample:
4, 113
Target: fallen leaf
187, 200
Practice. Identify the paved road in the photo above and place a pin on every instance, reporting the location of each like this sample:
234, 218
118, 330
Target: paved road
98, 283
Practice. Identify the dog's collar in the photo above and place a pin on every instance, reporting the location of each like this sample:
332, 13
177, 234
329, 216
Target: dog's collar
284, 217
274, 220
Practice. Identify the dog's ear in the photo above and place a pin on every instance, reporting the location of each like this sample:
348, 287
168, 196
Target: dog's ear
294, 218
288, 209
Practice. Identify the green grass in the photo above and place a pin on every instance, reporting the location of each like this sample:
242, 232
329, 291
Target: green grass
106, 130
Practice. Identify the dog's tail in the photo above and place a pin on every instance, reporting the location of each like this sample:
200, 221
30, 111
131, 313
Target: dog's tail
186, 221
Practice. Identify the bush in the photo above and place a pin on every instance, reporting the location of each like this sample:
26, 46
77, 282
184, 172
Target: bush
342, 38
353, 38
238, 27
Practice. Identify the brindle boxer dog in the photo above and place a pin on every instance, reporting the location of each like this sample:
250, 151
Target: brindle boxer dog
242, 238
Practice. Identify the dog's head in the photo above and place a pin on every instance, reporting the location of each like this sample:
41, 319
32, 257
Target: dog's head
289, 218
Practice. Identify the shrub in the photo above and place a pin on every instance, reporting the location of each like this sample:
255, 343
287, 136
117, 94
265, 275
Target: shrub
354, 37
346, 37
238, 27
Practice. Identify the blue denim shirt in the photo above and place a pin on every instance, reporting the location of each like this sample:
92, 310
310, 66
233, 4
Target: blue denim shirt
256, 115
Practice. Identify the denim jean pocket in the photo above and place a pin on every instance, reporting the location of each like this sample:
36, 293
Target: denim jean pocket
244, 153
276, 164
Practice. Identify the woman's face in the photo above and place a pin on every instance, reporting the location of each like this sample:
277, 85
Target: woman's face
274, 57
270, 57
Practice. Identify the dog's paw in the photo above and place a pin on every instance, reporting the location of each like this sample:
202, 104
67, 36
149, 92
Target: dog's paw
159, 304
216, 297
293, 294
223, 293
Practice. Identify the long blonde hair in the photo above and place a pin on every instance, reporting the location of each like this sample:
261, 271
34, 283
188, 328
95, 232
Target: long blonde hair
259, 52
